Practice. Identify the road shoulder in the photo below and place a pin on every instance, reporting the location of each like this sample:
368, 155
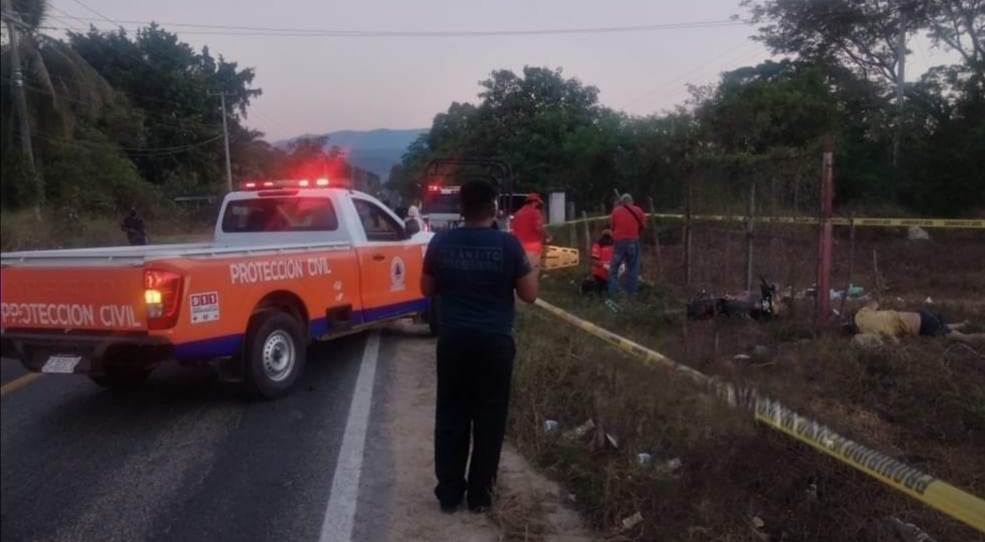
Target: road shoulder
530, 505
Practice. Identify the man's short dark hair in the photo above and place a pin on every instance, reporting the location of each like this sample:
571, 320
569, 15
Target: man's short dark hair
478, 200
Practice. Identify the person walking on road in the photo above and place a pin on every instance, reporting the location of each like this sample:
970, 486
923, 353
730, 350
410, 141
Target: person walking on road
627, 222
476, 271
528, 226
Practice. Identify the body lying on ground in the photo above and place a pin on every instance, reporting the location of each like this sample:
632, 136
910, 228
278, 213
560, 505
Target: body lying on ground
895, 325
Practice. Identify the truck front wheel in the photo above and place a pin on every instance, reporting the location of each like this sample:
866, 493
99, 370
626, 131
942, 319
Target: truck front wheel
275, 355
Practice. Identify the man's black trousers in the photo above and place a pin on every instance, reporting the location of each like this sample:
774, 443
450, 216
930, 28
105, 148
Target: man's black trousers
474, 375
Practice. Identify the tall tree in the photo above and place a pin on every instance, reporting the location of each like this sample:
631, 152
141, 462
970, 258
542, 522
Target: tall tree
174, 86
54, 88
859, 33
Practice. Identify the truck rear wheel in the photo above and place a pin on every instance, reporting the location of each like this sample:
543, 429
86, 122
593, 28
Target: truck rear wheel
275, 355
121, 379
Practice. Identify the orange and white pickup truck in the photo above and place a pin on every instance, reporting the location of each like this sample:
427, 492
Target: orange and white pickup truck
290, 262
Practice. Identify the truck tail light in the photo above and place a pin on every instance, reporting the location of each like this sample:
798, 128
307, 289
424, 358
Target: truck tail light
162, 298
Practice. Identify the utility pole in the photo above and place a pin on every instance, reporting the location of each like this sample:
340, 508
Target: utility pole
225, 135
20, 105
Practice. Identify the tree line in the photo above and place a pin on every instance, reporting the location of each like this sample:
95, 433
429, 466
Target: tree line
921, 150
118, 120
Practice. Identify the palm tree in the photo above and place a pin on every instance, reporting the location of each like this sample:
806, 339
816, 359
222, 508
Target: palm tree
49, 84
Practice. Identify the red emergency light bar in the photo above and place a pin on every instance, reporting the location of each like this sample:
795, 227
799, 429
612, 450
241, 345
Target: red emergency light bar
444, 189
301, 183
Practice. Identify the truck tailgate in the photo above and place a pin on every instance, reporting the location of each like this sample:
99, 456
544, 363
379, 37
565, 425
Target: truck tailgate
73, 298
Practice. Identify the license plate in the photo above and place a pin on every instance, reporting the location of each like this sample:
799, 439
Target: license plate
61, 364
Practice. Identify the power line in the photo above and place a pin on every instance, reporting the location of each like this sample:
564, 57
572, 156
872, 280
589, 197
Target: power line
301, 32
233, 30
91, 10
66, 14
744, 53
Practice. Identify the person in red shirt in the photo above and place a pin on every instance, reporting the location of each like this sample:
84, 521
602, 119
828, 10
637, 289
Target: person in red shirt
598, 281
528, 227
627, 223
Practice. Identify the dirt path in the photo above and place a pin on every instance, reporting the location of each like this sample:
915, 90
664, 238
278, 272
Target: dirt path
532, 509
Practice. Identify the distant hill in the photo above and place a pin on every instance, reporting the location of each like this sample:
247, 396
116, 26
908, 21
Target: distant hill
374, 150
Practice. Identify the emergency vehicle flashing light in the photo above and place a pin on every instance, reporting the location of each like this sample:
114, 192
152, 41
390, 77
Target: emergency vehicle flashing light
302, 183
437, 188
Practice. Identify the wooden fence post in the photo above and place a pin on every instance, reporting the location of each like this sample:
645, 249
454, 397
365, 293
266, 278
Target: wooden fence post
750, 225
824, 236
687, 232
588, 238
656, 237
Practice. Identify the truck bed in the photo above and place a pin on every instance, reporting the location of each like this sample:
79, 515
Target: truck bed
138, 255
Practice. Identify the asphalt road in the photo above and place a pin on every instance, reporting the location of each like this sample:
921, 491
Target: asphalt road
186, 458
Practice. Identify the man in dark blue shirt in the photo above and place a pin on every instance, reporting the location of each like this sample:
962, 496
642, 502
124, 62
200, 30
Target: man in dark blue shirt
477, 271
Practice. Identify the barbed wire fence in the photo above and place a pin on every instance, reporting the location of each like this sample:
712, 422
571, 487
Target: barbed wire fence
740, 221
740, 217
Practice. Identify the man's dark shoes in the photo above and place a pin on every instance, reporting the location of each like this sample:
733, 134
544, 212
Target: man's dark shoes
449, 507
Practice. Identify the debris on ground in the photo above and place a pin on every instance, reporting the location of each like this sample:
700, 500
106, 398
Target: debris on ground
852, 292
551, 425
908, 532
671, 468
758, 528
581, 430
643, 459
811, 492
868, 341
916, 233
632, 521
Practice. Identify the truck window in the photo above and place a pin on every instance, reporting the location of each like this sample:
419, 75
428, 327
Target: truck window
288, 214
446, 204
379, 225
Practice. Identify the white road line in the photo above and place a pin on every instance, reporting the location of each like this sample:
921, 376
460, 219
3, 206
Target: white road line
341, 511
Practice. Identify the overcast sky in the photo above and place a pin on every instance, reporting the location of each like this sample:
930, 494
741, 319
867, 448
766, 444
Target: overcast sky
321, 84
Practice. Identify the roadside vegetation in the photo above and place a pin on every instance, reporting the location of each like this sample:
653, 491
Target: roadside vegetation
714, 475
920, 401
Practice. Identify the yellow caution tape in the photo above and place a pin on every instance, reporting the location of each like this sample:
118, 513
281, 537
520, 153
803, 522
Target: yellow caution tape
936, 493
949, 223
